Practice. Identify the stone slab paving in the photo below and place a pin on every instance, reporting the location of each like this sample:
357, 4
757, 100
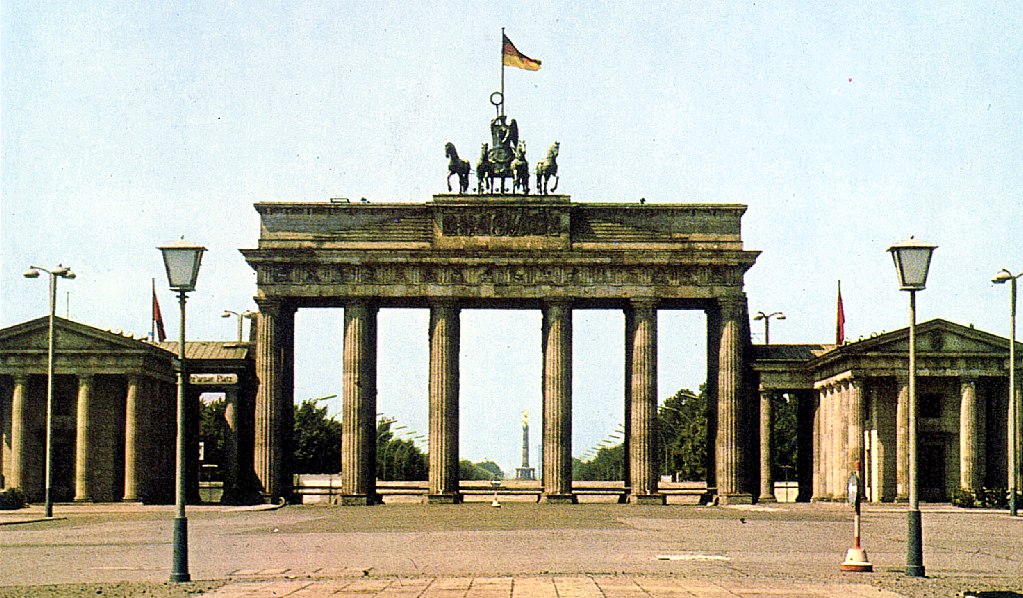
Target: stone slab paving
546, 587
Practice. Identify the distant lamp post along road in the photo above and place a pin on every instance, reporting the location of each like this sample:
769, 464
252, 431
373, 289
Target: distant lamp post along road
241, 317
182, 260
60, 271
767, 323
912, 261
1003, 277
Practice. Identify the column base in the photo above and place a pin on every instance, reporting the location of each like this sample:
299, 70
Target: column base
767, 498
559, 499
443, 499
648, 499
358, 500
735, 499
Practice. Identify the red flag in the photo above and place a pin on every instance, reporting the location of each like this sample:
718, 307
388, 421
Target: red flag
160, 334
840, 318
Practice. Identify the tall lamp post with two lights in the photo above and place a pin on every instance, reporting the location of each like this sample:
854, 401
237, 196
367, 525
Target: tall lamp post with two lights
60, 271
182, 259
1001, 278
241, 317
767, 323
912, 261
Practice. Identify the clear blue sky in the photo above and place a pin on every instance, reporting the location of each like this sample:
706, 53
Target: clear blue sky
845, 128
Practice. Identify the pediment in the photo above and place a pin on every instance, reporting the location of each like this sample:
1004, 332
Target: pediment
934, 336
33, 336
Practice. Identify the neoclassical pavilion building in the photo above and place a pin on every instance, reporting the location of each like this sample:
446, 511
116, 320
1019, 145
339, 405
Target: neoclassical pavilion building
114, 413
853, 407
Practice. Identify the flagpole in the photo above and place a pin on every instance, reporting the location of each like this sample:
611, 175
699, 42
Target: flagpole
152, 312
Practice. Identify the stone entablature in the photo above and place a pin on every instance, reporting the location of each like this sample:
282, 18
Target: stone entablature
499, 247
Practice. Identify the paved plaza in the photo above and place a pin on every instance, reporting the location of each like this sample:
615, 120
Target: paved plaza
519, 550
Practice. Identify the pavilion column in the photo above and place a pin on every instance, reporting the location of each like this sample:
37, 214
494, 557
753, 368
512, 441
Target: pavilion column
827, 433
968, 470
839, 439
729, 447
630, 335
274, 403
766, 420
19, 436
557, 402
854, 422
444, 387
817, 491
358, 404
902, 441
83, 446
231, 494
643, 406
131, 434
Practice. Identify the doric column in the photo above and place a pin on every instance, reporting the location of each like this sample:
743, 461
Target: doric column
713, 314
839, 440
83, 446
444, 380
854, 421
643, 408
818, 444
968, 479
232, 472
827, 440
766, 478
557, 402
358, 404
131, 434
731, 457
19, 436
274, 403
902, 441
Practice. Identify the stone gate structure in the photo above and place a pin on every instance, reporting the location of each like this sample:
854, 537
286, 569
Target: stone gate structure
501, 252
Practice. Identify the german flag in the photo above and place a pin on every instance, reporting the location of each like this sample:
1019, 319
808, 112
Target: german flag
512, 57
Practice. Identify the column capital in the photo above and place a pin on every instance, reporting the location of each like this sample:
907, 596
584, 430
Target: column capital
644, 303
273, 305
445, 302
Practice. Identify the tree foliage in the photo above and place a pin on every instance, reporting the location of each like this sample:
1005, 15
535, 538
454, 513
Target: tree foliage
317, 440
213, 430
683, 433
608, 465
397, 458
784, 436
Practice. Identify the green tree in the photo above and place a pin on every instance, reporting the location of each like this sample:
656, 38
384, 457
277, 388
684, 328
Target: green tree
398, 459
784, 449
683, 432
213, 430
607, 465
484, 470
317, 439
494, 469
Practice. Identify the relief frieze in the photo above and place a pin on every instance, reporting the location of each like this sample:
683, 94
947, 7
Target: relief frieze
501, 275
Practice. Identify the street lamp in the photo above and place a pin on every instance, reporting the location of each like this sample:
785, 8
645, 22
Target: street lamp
60, 271
182, 260
912, 260
1002, 277
767, 323
241, 316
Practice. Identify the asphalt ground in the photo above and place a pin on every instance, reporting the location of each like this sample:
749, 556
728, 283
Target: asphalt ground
520, 549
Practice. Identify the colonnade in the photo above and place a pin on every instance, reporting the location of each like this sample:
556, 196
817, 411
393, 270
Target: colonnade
274, 364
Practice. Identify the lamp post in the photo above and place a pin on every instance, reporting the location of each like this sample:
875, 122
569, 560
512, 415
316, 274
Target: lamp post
1002, 277
182, 259
241, 316
912, 260
767, 323
60, 271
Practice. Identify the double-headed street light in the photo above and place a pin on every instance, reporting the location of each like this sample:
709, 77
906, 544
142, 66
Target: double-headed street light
241, 316
767, 323
1013, 467
60, 271
182, 259
912, 261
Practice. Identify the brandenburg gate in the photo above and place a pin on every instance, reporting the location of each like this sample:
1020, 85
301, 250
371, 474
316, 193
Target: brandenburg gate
544, 252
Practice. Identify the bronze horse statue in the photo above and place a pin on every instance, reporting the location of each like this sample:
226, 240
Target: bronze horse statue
520, 169
545, 169
485, 171
456, 166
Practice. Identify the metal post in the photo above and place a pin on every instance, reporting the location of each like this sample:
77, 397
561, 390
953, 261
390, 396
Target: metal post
1013, 407
914, 541
49, 400
179, 566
